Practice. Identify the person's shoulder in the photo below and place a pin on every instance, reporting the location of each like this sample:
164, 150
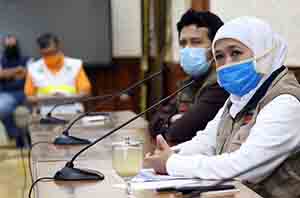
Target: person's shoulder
284, 104
214, 85
25, 58
286, 100
72, 61
35, 64
283, 107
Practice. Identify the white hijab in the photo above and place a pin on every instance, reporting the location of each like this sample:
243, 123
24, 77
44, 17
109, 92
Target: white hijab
268, 47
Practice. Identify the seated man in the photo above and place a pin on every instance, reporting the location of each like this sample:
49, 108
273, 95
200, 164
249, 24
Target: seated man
198, 104
255, 135
12, 78
55, 75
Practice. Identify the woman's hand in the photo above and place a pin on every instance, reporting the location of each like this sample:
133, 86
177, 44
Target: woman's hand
159, 158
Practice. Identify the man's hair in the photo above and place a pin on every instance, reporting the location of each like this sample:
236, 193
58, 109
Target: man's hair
201, 19
45, 40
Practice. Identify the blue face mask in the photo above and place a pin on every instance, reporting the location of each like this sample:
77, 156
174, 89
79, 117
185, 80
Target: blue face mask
239, 78
194, 61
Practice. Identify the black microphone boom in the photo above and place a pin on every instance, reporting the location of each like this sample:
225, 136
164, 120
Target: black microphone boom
69, 173
49, 119
66, 139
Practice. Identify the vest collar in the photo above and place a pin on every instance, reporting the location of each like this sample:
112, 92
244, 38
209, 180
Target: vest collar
261, 92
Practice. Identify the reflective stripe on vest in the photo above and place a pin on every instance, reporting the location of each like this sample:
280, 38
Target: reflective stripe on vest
58, 88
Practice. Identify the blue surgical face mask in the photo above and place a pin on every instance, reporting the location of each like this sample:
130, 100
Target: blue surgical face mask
194, 61
239, 78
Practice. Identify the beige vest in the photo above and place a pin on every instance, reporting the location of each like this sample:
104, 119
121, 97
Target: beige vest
232, 133
63, 82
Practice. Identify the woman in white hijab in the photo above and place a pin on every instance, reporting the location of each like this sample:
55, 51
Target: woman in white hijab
267, 49
259, 121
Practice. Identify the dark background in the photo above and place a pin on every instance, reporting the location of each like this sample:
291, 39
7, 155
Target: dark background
84, 26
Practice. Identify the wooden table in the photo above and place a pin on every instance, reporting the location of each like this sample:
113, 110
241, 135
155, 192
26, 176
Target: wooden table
49, 152
105, 188
47, 159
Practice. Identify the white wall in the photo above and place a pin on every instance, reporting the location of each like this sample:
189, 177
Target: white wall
178, 8
127, 28
284, 16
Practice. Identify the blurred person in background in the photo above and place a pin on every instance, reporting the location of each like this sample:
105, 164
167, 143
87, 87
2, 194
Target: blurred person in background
55, 75
12, 78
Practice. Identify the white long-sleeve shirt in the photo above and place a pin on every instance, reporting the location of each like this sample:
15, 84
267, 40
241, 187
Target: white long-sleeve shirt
276, 130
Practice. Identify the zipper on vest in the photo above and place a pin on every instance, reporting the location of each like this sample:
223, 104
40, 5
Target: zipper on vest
225, 141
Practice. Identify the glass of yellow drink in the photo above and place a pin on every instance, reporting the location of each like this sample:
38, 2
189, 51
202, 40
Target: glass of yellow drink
127, 160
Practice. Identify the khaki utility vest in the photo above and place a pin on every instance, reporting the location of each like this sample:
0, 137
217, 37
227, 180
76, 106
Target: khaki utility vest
284, 182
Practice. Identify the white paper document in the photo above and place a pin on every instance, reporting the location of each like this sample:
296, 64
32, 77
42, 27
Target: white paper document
147, 175
147, 179
157, 184
72, 109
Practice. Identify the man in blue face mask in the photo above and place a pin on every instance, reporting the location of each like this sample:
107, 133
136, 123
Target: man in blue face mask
198, 104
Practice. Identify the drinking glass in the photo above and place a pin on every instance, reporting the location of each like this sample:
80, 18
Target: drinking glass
127, 160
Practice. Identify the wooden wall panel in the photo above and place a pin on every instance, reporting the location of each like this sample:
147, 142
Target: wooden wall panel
120, 75
200, 5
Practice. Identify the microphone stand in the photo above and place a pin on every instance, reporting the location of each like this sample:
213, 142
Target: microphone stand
53, 120
69, 173
49, 119
67, 139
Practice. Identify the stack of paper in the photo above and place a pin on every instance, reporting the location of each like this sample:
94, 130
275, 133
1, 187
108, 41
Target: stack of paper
147, 179
149, 175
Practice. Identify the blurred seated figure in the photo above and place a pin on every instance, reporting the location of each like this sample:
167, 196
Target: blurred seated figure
3, 136
196, 105
55, 76
12, 79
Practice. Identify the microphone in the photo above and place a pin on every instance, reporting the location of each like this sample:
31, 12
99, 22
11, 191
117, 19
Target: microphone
49, 119
52, 120
69, 173
67, 139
